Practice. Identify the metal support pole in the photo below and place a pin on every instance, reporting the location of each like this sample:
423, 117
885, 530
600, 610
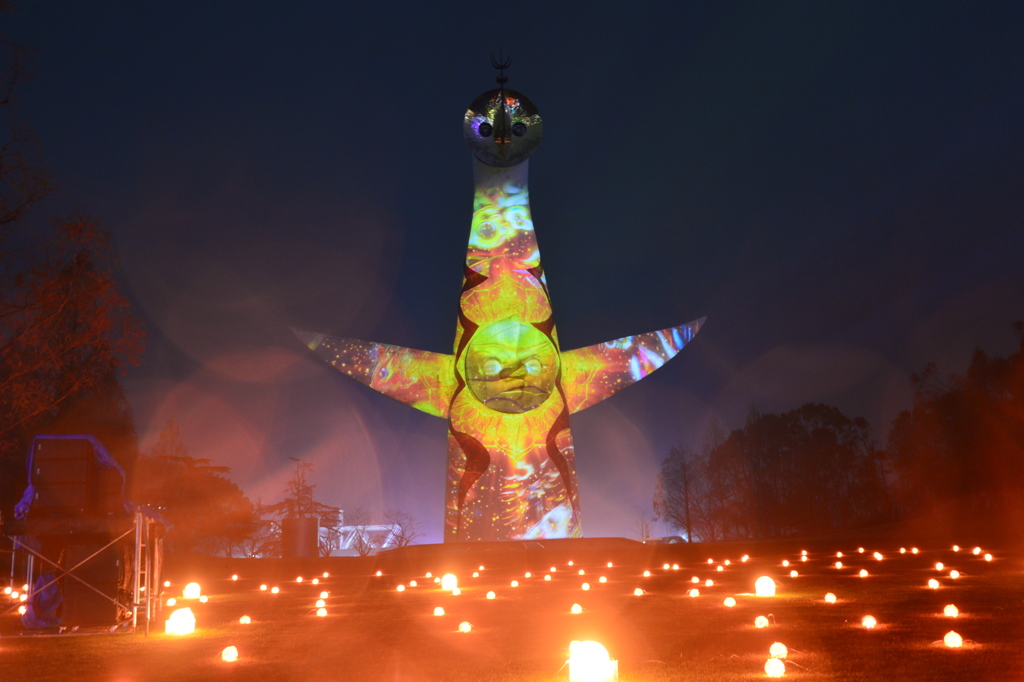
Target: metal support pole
135, 570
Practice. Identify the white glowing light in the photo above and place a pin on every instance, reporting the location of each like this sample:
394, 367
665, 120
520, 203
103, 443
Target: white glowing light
730, 602
299, 579
449, 582
245, 620
465, 626
863, 573
181, 622
745, 558
229, 655
191, 591
933, 583
234, 577
839, 555
570, 563
956, 548
412, 583
172, 601
711, 561
878, 556
665, 566
320, 603
977, 551
914, 550
939, 566
22, 609
719, 568
726, 562
695, 580
321, 612
694, 592
528, 575
839, 564
988, 557
760, 622
325, 594
903, 550
167, 583
638, 592
709, 583
774, 667
491, 595
764, 587
456, 592
785, 562
203, 599
315, 581
778, 650
590, 662
950, 611
860, 549
647, 574
400, 588
869, 622
954, 574
830, 598
602, 579
793, 574
547, 576
263, 588
428, 574
476, 574
275, 589
438, 610
576, 609
515, 583
379, 574
675, 567
953, 640
585, 586
609, 564
803, 558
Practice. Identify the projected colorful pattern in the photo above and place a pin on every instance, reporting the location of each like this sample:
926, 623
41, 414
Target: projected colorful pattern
508, 389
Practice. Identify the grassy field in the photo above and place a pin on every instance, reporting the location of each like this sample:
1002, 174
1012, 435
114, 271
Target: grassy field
374, 632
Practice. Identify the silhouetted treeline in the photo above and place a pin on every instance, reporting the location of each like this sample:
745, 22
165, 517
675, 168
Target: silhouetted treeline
958, 451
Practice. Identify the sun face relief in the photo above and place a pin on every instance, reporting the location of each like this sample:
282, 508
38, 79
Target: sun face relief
511, 367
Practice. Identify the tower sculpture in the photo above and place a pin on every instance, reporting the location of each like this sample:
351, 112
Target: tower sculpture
508, 389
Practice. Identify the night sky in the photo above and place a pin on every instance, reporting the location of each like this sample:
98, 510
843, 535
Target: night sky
838, 187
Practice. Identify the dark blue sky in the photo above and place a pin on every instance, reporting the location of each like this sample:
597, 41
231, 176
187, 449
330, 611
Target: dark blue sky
838, 187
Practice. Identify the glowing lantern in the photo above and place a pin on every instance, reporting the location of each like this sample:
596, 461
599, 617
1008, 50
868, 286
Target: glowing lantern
764, 587
515, 583
315, 581
803, 558
695, 580
234, 577
547, 576
299, 579
839, 564
320, 603
638, 592
860, 549
903, 550
570, 563
609, 564
428, 575
839, 555
675, 567
437, 580
793, 574
181, 622
23, 597
527, 575
412, 583
711, 561
465, 626
379, 574
709, 583
229, 655
953, 640
774, 667
719, 568
491, 595
954, 574
449, 581
726, 562
863, 573
869, 622
730, 602
988, 557
803, 552
324, 594
585, 586
167, 583
694, 592
665, 566
950, 611
914, 550
760, 622
576, 609
191, 591
582, 572
956, 548
602, 579
647, 574
933, 583
326, 574
481, 567
590, 662
22, 609
456, 592
263, 588
939, 566
785, 562
321, 612
275, 589
203, 599
400, 588
245, 620
172, 601
778, 650
878, 556
438, 610
476, 574
552, 570
977, 551
745, 558
7, 590
830, 598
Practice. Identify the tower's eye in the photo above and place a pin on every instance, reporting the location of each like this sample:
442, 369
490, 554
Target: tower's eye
518, 129
485, 129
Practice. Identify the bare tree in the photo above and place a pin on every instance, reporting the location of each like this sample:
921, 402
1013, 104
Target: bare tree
404, 529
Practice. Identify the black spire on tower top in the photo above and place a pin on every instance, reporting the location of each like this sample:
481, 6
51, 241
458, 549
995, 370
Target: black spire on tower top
501, 63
